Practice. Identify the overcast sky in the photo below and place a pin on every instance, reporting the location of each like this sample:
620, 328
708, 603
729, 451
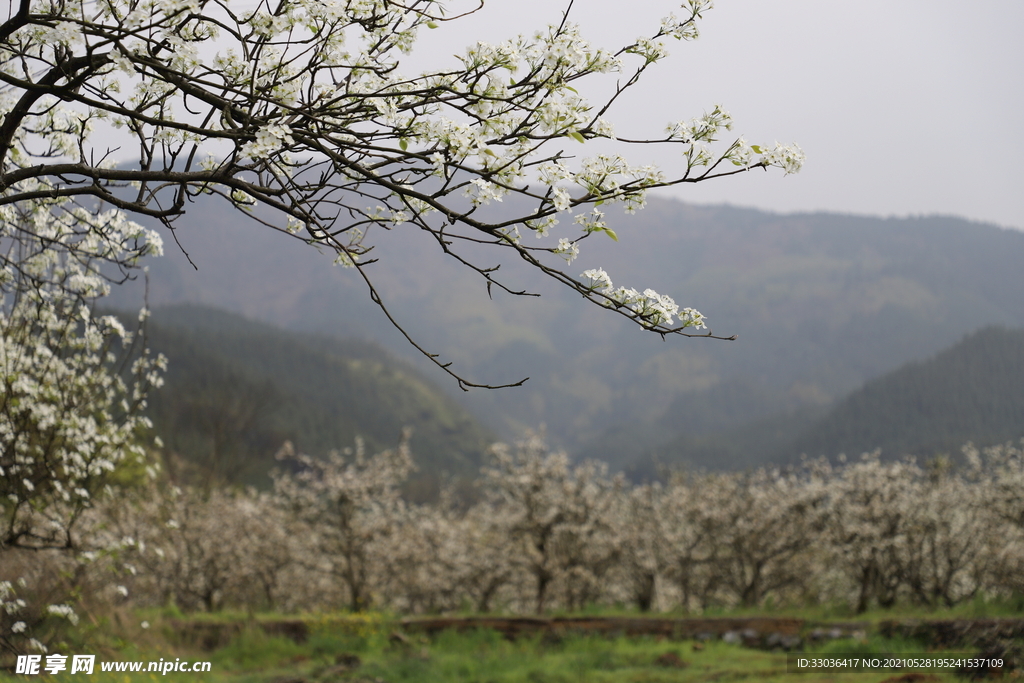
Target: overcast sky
903, 107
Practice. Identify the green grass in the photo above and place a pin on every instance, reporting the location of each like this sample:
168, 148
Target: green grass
254, 649
872, 645
486, 657
980, 607
479, 656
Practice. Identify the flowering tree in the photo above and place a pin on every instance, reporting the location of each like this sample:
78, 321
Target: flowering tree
70, 411
641, 530
72, 392
198, 549
300, 106
346, 508
695, 534
999, 476
871, 509
774, 518
557, 519
742, 536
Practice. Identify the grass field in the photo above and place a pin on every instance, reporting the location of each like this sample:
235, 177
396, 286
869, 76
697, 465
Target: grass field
366, 649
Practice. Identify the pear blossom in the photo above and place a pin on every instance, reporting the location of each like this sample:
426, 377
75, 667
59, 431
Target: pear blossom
598, 278
311, 109
567, 250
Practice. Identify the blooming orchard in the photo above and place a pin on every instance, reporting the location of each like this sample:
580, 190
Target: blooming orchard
544, 535
547, 535
307, 110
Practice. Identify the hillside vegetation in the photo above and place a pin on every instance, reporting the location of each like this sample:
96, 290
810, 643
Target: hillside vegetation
237, 390
821, 304
973, 391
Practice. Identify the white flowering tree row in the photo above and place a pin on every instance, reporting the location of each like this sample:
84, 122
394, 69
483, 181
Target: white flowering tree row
547, 535
73, 389
308, 109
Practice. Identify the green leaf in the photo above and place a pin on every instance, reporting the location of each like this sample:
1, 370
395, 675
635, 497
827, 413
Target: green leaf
404, 144
577, 136
756, 148
490, 152
432, 24
611, 233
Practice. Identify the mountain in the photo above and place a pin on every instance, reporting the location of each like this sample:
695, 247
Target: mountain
237, 389
973, 391
821, 303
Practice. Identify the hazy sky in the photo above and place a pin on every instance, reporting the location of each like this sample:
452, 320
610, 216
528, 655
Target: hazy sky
903, 107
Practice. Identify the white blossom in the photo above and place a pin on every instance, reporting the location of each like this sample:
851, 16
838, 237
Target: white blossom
598, 278
268, 140
63, 611
790, 158
567, 250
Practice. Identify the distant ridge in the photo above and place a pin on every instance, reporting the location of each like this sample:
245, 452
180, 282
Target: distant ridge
821, 304
237, 389
973, 391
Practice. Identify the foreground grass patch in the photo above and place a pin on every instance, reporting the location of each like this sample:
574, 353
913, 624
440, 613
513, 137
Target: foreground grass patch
370, 649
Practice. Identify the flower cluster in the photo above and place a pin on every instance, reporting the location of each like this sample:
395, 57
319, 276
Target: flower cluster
705, 128
567, 250
790, 158
268, 140
650, 308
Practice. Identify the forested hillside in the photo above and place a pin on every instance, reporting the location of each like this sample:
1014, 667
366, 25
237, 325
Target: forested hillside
971, 392
821, 303
236, 390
